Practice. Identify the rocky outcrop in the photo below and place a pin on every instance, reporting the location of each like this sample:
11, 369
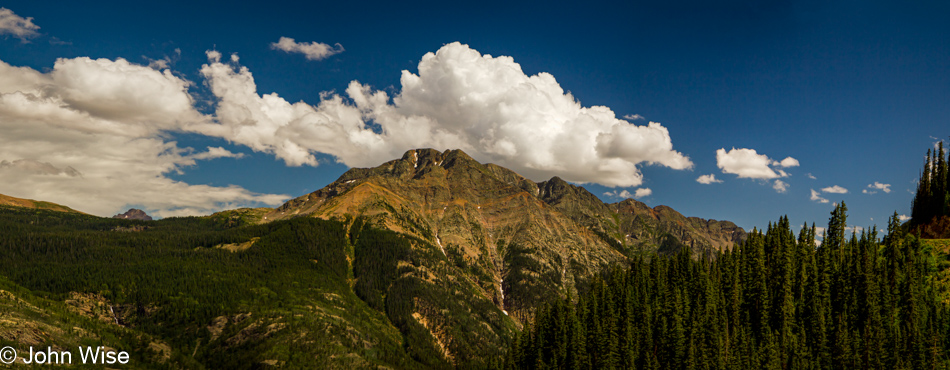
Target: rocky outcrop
134, 214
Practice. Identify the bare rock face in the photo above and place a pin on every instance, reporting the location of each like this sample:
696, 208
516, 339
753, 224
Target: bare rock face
134, 214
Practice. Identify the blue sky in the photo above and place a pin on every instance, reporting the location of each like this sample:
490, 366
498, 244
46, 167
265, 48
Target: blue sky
854, 92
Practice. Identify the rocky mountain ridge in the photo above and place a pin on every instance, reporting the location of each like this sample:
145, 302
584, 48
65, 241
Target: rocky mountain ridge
525, 241
134, 214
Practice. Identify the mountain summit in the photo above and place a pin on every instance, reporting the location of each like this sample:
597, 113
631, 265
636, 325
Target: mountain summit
521, 242
134, 214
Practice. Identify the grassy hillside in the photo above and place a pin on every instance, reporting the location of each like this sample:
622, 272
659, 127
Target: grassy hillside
35, 204
938, 251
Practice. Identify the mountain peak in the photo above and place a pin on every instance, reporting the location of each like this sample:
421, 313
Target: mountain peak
134, 214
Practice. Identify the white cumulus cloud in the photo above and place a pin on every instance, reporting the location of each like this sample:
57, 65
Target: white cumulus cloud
835, 190
90, 134
903, 218
460, 98
780, 186
623, 194
310, 50
19, 27
816, 196
873, 188
708, 179
789, 162
747, 163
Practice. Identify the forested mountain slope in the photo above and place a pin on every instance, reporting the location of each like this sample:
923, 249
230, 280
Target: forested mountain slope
298, 293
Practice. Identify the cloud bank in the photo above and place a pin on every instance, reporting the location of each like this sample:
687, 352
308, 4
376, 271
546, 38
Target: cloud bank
90, 134
310, 50
93, 134
484, 105
19, 27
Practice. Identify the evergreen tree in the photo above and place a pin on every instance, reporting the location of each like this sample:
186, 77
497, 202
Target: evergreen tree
921, 208
939, 183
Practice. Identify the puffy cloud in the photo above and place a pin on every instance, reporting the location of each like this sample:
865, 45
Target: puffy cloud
708, 179
816, 196
19, 27
747, 163
639, 193
91, 134
789, 162
835, 190
633, 117
310, 50
461, 99
903, 218
877, 186
780, 186
619, 194
810, 176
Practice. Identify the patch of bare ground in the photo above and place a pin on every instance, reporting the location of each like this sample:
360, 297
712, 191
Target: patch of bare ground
237, 247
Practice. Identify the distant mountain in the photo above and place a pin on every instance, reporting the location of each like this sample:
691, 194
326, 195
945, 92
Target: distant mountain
35, 204
134, 214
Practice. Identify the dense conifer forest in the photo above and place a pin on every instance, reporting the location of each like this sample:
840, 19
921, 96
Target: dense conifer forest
777, 302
